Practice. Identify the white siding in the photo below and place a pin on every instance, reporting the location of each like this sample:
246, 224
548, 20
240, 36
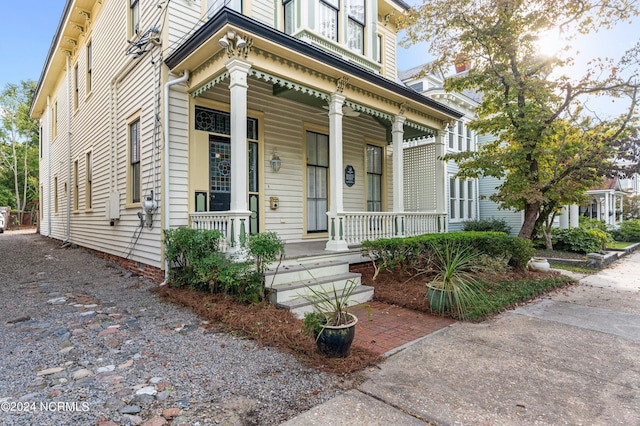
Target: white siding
488, 209
100, 125
265, 11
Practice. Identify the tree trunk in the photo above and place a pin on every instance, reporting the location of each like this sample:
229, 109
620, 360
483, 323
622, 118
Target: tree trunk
531, 212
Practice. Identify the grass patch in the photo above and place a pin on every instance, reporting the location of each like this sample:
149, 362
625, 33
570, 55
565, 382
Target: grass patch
558, 254
505, 294
574, 268
619, 244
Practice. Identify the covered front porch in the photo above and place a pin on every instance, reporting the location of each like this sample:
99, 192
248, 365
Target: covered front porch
297, 142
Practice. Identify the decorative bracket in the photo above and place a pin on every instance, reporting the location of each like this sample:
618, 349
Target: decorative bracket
403, 108
387, 17
342, 83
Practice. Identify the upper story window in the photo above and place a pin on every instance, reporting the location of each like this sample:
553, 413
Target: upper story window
355, 26
418, 87
75, 87
134, 162
461, 137
134, 18
89, 65
328, 24
213, 6
287, 5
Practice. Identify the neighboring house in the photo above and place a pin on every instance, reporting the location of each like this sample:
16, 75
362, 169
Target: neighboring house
605, 202
462, 194
245, 118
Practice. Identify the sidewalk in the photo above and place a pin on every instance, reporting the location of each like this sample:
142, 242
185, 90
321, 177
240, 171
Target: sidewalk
571, 358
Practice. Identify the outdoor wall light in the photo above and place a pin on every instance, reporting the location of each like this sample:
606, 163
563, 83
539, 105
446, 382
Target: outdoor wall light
276, 162
235, 44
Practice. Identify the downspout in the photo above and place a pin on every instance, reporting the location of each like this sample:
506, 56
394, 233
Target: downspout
165, 190
69, 106
48, 166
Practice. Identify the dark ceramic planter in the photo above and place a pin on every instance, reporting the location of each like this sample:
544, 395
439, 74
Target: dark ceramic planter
439, 300
335, 341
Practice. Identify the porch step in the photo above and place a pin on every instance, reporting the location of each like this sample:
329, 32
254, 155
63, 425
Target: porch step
300, 306
292, 273
295, 290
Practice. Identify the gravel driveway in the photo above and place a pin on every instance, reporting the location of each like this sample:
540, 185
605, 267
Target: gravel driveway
84, 342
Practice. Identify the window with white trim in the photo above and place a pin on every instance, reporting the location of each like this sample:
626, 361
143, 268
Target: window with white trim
461, 199
89, 65
134, 18
328, 19
75, 87
134, 161
461, 137
355, 25
213, 6
88, 182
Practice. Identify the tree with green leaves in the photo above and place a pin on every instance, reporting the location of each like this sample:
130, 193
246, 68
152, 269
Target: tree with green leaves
18, 146
548, 148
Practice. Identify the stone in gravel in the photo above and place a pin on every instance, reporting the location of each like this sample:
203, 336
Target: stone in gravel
87, 314
132, 420
161, 396
90, 306
137, 356
79, 374
122, 393
114, 404
170, 413
156, 421
131, 409
155, 380
125, 364
106, 423
66, 344
144, 399
48, 371
106, 369
57, 301
147, 390
112, 343
17, 320
108, 331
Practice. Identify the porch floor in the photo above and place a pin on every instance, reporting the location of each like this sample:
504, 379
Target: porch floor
312, 248
386, 329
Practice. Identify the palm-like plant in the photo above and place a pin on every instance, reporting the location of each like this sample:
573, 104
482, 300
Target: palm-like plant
454, 287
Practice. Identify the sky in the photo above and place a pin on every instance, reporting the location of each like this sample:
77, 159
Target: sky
27, 28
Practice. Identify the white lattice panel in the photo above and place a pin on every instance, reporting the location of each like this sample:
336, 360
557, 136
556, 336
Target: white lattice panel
420, 178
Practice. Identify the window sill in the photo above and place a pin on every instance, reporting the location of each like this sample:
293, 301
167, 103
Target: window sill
137, 205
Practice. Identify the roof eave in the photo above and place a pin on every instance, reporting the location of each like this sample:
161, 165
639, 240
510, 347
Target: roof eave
229, 17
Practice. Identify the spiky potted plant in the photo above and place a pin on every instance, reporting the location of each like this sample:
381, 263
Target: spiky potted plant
454, 288
332, 326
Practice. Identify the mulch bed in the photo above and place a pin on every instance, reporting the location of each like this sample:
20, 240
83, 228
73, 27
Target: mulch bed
267, 326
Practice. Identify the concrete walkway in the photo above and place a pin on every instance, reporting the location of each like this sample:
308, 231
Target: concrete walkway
572, 358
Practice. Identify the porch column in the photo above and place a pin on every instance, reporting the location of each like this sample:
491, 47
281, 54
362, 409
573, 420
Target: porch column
574, 216
397, 135
336, 203
441, 178
564, 217
239, 206
606, 208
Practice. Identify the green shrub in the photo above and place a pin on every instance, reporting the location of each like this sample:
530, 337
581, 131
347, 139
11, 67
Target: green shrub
579, 240
196, 262
590, 223
486, 225
184, 247
629, 230
418, 252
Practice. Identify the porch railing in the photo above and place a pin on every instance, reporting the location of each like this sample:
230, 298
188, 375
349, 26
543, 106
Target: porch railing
356, 227
232, 226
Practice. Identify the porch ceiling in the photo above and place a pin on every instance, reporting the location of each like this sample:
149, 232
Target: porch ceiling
271, 46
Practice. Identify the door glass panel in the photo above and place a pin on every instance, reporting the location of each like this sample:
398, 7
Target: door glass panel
219, 173
317, 174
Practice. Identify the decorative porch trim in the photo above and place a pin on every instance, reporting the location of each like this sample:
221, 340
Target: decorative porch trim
283, 82
430, 132
211, 83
